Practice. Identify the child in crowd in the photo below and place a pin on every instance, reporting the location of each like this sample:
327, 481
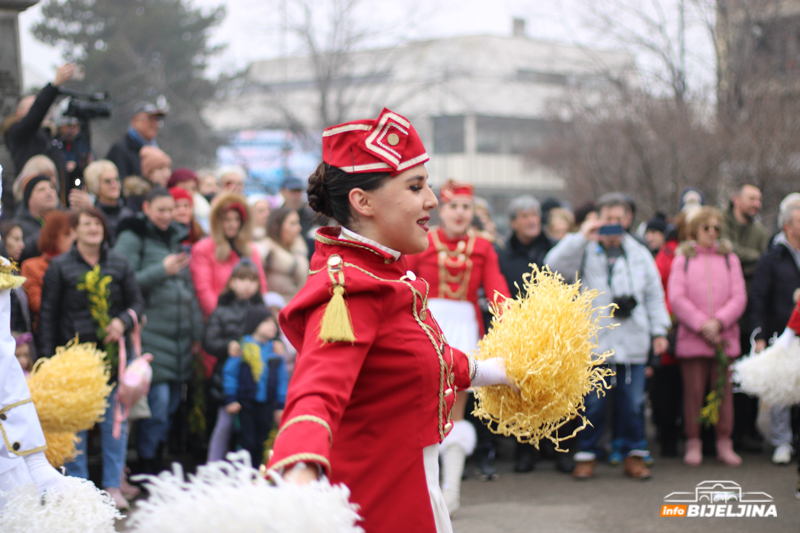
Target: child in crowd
255, 383
23, 350
223, 332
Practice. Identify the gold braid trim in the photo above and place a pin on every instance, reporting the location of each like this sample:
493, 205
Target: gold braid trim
8, 444
307, 418
296, 458
334, 242
446, 377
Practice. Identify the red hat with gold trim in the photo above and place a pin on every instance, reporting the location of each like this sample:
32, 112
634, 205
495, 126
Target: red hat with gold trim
387, 144
452, 188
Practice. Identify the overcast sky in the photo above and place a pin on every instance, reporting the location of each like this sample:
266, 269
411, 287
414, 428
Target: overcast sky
252, 28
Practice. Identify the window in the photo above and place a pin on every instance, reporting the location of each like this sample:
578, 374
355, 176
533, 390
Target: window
448, 135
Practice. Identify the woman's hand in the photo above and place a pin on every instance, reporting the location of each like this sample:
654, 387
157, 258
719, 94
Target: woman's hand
234, 349
277, 415
302, 474
79, 199
114, 331
492, 372
761, 344
173, 263
710, 330
233, 408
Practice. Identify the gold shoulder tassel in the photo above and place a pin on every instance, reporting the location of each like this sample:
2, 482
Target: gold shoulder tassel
336, 322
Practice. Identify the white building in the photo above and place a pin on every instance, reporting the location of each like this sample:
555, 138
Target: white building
479, 102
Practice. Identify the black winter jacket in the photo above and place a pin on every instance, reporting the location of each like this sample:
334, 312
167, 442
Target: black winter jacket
26, 137
65, 309
31, 227
125, 154
225, 324
775, 280
515, 258
114, 213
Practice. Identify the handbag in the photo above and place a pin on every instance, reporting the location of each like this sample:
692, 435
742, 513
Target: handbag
134, 379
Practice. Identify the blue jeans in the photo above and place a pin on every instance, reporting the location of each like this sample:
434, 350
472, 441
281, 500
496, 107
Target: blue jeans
163, 400
628, 412
114, 450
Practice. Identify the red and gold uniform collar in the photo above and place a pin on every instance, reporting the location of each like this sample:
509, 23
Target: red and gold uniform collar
331, 236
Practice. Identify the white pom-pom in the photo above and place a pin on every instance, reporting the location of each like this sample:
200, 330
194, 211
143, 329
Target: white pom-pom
76, 506
773, 375
233, 497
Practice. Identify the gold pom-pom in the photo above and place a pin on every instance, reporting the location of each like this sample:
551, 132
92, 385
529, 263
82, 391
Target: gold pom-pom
70, 389
60, 447
9, 279
547, 337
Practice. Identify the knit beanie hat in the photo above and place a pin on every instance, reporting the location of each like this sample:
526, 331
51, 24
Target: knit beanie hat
180, 193
657, 223
179, 175
30, 185
152, 158
255, 316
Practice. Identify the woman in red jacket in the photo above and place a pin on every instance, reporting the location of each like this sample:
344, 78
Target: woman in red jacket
375, 381
458, 262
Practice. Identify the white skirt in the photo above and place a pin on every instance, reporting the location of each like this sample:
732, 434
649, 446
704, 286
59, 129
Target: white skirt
430, 457
458, 322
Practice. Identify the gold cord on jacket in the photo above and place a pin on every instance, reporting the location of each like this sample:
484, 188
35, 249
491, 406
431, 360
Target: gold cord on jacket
454, 259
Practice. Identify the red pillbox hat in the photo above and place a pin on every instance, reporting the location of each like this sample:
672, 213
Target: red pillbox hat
452, 188
387, 144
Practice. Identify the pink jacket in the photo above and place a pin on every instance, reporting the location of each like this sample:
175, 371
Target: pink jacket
712, 286
210, 277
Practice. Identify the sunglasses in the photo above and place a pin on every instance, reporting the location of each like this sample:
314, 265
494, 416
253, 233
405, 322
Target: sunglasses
716, 229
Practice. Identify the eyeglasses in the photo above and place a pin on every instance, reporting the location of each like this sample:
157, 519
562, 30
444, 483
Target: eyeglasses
716, 229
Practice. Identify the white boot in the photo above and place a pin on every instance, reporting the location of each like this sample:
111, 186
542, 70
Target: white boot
452, 469
453, 451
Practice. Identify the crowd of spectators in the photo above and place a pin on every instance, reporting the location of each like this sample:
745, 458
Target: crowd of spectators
204, 268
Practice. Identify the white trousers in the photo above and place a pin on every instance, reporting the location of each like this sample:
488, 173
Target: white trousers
430, 457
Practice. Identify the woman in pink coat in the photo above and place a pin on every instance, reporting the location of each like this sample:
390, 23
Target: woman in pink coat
215, 257
707, 295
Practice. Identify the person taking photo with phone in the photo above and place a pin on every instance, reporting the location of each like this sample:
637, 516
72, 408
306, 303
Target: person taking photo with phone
611, 261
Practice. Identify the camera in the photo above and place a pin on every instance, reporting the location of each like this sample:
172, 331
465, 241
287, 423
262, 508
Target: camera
88, 106
625, 306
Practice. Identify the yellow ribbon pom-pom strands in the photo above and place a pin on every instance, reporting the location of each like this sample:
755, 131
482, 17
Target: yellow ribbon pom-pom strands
60, 448
547, 337
70, 389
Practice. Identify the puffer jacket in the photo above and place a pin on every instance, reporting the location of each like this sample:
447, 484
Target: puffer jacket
634, 274
65, 311
286, 270
775, 285
706, 283
225, 324
173, 316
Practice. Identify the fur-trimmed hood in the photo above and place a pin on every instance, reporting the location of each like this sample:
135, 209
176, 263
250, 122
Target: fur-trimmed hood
222, 204
689, 248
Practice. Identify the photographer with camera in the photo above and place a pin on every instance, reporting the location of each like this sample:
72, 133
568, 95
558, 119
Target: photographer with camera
611, 261
146, 122
25, 137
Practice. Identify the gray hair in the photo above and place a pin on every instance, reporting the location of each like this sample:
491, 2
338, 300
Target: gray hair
614, 199
523, 203
786, 213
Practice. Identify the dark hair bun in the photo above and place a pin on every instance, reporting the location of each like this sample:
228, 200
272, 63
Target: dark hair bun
318, 198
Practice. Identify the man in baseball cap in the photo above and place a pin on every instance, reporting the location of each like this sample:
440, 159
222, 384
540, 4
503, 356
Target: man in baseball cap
146, 121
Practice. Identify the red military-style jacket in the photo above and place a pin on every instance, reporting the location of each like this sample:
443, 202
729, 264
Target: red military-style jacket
365, 410
480, 267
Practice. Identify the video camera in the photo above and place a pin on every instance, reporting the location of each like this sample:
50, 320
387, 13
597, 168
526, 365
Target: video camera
87, 106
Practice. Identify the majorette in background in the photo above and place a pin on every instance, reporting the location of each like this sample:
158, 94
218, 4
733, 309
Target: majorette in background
457, 263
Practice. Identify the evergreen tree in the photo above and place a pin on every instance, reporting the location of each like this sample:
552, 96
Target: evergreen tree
140, 50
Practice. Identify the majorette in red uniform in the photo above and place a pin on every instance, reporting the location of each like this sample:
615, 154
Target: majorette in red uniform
371, 411
457, 263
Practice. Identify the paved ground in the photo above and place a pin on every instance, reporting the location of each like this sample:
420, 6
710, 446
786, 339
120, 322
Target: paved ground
548, 501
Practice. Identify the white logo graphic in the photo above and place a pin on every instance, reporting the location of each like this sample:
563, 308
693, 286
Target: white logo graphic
718, 499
